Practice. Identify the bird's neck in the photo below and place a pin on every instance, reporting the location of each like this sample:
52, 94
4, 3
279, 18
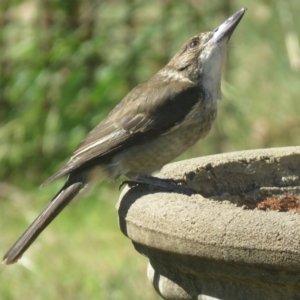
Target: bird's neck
211, 70
171, 74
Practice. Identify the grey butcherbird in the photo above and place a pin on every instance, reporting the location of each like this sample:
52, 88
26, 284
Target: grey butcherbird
156, 122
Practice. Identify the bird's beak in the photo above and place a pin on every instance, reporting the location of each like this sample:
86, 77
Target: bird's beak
227, 28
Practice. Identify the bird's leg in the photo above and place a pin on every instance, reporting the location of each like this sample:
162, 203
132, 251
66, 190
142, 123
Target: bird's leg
174, 185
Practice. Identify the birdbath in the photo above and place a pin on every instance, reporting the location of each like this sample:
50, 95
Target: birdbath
238, 237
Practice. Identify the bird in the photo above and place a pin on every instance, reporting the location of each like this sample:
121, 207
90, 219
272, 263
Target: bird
156, 122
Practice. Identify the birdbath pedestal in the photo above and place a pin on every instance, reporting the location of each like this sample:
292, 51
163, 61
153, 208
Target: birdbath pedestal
237, 238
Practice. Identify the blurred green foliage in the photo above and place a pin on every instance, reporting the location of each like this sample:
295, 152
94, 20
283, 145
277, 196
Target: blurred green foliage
65, 64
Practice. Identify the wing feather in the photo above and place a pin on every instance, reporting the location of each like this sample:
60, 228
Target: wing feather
149, 110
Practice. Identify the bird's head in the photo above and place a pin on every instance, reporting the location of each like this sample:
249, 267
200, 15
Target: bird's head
201, 58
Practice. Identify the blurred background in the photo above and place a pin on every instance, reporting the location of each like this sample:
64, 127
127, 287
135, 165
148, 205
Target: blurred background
64, 65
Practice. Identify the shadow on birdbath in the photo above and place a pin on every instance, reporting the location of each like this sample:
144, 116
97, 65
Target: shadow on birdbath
239, 238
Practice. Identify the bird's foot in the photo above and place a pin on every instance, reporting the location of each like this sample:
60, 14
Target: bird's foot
174, 185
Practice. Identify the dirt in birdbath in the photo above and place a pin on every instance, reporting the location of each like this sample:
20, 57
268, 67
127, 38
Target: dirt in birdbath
283, 203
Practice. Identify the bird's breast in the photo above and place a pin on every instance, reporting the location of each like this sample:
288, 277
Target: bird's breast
151, 155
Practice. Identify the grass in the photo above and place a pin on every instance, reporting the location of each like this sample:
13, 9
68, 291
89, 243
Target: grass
81, 255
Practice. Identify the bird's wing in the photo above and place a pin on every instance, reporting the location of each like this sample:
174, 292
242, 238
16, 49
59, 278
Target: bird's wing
142, 115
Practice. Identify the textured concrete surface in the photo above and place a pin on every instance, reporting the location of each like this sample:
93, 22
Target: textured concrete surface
208, 246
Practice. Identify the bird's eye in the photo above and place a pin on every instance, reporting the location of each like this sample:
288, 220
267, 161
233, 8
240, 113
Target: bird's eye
194, 44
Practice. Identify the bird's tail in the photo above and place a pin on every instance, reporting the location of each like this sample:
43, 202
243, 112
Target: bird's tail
58, 203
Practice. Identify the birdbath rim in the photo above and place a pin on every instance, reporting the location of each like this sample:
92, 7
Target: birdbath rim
213, 226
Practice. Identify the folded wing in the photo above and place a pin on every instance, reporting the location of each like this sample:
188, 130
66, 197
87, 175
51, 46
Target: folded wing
142, 115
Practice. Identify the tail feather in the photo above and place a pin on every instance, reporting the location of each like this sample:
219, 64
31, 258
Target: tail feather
59, 202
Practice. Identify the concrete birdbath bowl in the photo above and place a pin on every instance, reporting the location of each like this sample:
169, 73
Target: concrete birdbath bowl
237, 238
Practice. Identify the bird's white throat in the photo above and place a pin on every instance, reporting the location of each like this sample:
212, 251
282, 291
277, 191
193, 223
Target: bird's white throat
212, 58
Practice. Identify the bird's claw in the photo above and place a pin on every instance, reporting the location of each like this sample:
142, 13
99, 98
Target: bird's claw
175, 185
130, 183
